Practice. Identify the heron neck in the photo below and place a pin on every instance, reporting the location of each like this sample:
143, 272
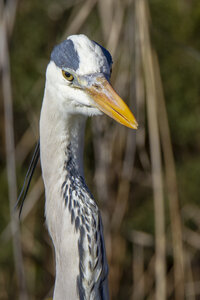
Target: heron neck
61, 147
61, 136
72, 216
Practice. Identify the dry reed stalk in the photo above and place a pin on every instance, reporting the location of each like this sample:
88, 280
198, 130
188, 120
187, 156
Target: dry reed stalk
129, 136
32, 198
9, 138
175, 218
190, 293
129, 147
138, 270
170, 284
147, 278
140, 99
124, 185
121, 204
140, 240
101, 143
77, 19
141, 11
104, 141
116, 26
9, 12
24, 146
22, 150
119, 43
105, 8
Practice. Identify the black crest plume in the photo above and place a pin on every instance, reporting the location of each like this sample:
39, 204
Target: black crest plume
28, 177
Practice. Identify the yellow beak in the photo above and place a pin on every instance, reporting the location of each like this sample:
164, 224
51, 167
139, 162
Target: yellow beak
108, 101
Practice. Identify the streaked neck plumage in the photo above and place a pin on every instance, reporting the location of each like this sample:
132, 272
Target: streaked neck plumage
72, 216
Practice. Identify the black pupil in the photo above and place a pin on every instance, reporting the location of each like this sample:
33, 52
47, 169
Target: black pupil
67, 74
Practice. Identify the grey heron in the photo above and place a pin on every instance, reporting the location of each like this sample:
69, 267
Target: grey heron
77, 86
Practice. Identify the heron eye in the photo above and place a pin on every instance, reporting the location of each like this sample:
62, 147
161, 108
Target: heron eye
67, 75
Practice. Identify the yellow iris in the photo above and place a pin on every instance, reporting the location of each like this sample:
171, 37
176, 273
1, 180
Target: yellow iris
67, 75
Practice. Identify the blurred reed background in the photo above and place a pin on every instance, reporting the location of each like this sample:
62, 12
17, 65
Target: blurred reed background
146, 182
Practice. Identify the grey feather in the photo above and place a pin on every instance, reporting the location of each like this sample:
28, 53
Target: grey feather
65, 56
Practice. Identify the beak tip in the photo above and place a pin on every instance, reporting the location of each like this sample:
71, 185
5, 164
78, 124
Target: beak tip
134, 124
108, 101
135, 127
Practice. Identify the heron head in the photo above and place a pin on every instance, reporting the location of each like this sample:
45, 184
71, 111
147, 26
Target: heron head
78, 78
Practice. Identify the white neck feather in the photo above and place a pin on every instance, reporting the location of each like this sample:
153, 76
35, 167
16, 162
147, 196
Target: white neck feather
56, 134
57, 131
